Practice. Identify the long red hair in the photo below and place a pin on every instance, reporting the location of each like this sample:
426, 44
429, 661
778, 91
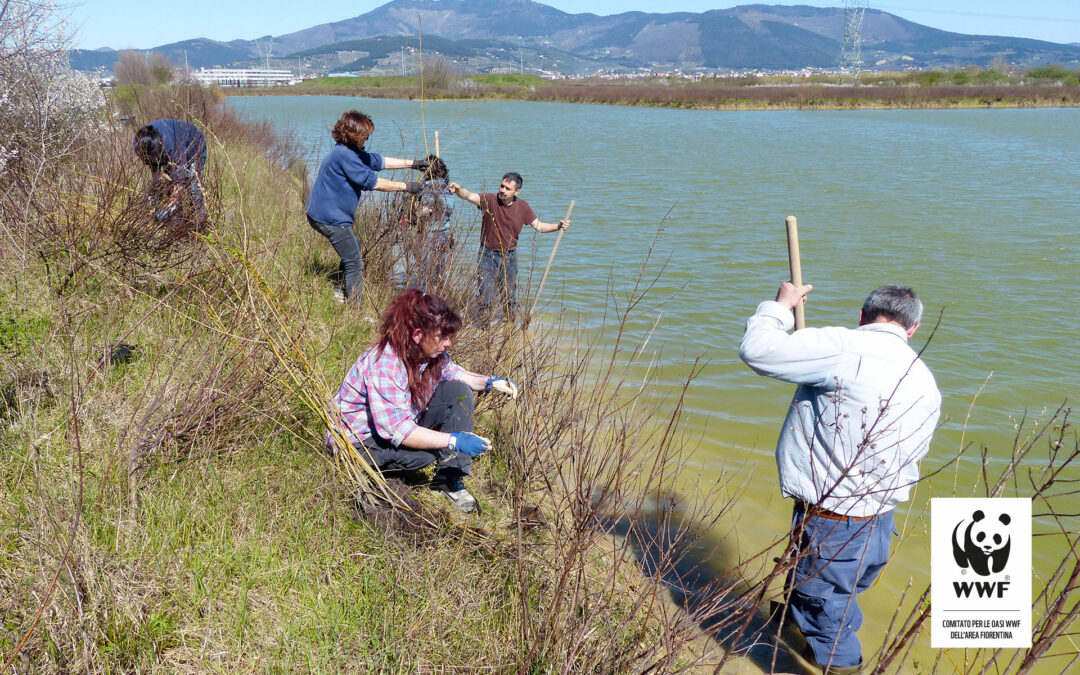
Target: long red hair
411, 310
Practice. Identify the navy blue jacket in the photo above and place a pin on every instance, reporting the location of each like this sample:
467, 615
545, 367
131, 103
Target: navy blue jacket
343, 176
184, 143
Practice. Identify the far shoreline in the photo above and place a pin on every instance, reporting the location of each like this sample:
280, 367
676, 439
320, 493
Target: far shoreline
692, 96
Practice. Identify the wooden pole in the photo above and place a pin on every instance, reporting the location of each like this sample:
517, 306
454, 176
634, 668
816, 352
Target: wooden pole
528, 317
437, 153
796, 267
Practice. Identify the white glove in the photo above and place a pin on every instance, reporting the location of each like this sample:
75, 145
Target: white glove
503, 384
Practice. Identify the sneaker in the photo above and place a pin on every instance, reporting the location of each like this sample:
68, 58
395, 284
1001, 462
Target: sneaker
454, 490
339, 294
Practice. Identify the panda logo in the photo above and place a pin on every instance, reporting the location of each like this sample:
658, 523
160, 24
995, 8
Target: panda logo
982, 543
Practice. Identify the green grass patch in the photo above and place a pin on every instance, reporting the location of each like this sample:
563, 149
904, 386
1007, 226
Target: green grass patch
523, 81
372, 82
21, 325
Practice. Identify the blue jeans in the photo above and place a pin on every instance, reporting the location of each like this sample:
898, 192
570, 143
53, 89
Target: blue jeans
497, 271
347, 246
838, 559
450, 409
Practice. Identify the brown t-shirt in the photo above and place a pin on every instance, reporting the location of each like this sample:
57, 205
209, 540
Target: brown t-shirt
501, 225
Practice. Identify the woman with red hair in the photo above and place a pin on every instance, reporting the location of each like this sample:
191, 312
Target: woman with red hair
405, 404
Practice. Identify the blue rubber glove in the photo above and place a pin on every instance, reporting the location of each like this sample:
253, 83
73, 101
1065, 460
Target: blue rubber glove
468, 443
503, 384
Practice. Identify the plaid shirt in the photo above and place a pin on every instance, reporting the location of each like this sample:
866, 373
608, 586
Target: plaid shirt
374, 399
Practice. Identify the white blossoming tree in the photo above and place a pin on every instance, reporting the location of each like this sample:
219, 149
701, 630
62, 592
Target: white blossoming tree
46, 109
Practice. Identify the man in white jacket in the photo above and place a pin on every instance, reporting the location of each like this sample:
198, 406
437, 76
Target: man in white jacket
863, 414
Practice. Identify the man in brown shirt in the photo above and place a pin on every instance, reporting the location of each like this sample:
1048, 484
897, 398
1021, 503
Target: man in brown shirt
504, 214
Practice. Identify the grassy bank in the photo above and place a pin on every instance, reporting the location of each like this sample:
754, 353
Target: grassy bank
168, 504
934, 89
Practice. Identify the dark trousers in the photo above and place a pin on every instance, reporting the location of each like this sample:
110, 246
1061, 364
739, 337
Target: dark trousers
450, 410
347, 246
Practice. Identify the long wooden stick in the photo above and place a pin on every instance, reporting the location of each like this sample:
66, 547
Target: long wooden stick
528, 317
795, 264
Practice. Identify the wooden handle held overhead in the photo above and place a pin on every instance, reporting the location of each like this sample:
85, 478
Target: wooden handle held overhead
528, 317
795, 264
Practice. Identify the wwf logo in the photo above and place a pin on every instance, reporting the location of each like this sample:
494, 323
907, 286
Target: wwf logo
982, 543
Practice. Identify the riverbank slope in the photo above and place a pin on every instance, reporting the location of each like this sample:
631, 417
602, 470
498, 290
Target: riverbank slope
168, 500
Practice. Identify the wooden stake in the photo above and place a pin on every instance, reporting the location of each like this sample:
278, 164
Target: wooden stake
796, 267
528, 317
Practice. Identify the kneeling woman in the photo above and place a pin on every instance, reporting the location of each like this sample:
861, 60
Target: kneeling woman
405, 404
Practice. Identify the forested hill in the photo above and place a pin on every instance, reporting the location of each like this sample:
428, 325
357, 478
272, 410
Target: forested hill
485, 34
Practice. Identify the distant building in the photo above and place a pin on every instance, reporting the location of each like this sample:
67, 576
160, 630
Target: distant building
341, 75
243, 77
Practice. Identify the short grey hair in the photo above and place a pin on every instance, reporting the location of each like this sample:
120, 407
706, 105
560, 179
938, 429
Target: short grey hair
895, 303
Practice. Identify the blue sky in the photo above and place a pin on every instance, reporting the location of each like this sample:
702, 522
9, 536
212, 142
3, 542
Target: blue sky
137, 24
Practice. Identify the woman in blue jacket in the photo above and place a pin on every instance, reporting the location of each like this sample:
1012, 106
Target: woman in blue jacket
347, 172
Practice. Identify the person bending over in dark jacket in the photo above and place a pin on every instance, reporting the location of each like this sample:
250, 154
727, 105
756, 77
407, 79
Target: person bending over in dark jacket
175, 151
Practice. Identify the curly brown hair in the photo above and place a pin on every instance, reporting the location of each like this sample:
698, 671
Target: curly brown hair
353, 129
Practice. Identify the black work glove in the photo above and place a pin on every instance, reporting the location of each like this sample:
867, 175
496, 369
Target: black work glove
413, 187
421, 164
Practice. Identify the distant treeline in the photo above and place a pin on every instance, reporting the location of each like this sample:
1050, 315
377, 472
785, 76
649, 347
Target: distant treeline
974, 87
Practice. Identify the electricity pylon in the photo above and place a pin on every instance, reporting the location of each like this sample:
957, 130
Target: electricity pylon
851, 47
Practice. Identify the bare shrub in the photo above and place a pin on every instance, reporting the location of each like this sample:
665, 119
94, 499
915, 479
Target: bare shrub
214, 395
161, 68
438, 73
95, 211
132, 67
81, 221
135, 67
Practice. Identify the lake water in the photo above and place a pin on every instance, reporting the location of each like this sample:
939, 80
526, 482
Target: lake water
975, 209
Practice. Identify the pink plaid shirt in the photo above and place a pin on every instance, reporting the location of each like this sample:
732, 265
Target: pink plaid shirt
374, 399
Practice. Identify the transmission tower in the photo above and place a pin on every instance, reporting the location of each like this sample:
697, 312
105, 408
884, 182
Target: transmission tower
851, 47
265, 50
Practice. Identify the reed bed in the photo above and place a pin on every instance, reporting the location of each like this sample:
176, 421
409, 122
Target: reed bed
932, 89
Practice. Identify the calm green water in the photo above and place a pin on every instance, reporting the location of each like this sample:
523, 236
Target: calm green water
976, 209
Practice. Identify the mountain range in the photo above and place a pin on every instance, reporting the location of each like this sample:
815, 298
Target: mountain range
489, 35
